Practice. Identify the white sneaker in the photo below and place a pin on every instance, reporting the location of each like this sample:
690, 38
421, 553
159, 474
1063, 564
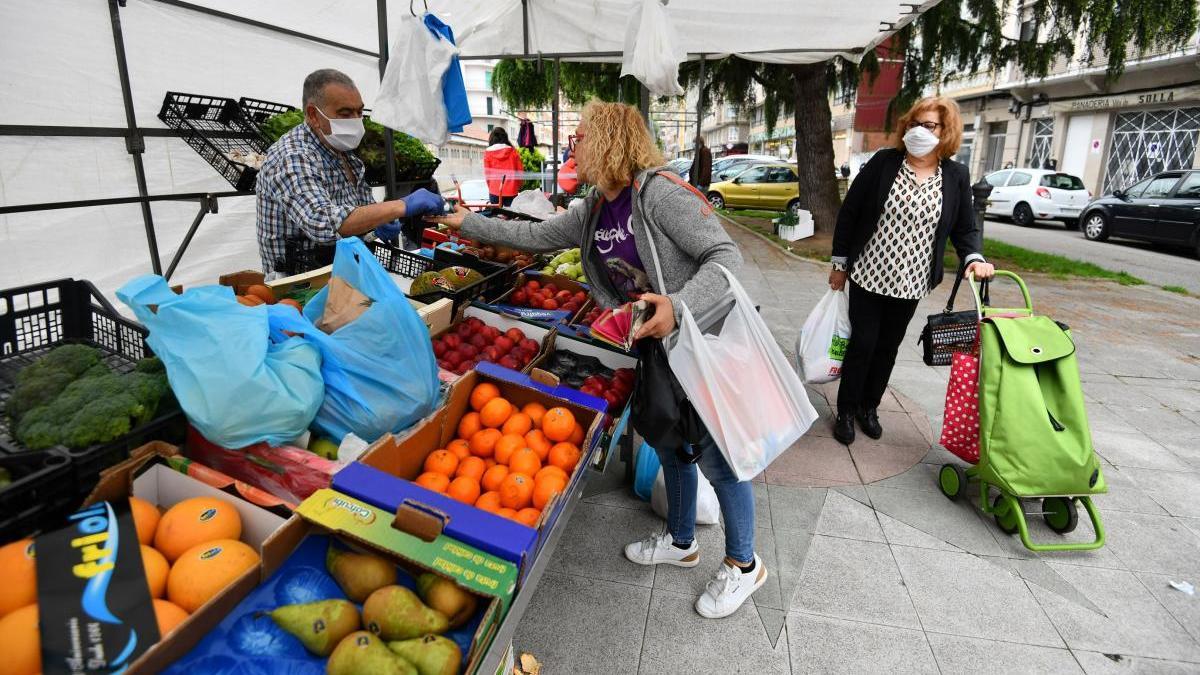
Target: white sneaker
727, 590
658, 549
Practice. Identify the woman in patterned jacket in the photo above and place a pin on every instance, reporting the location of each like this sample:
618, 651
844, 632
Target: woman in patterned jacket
889, 241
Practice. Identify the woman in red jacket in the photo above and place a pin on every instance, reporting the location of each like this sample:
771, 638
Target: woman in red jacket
502, 168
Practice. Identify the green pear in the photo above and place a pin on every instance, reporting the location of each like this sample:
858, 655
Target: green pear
361, 653
446, 597
396, 613
359, 574
320, 626
432, 654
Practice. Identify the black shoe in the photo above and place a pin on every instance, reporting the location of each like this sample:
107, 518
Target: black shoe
869, 421
843, 429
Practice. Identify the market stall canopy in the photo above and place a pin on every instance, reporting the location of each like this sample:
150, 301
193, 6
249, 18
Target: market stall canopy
65, 132
774, 31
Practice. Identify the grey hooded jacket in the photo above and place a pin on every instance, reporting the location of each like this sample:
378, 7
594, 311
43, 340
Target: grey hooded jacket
687, 235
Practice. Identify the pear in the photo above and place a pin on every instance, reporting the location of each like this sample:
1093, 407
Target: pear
446, 597
359, 574
432, 654
396, 613
321, 625
361, 653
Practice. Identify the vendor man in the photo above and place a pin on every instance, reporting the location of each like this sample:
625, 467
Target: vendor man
312, 190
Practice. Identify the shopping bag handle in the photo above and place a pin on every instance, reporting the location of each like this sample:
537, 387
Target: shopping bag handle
982, 298
985, 308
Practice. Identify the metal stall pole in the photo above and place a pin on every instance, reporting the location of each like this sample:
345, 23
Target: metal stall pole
644, 103
699, 114
135, 144
554, 118
389, 145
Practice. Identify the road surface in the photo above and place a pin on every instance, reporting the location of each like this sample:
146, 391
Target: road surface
1158, 265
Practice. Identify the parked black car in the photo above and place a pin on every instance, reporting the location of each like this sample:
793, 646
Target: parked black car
1164, 208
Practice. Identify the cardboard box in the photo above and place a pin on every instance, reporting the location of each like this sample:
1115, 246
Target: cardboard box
296, 574
383, 475
551, 317
501, 322
147, 475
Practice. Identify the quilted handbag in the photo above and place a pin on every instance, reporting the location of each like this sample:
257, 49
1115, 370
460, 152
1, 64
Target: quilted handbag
949, 331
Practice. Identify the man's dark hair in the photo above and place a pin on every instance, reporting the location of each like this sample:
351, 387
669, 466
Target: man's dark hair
499, 135
315, 83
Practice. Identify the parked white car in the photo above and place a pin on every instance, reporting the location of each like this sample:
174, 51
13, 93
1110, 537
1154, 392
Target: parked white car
1028, 194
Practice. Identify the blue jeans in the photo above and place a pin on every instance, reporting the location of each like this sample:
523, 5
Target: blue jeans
736, 498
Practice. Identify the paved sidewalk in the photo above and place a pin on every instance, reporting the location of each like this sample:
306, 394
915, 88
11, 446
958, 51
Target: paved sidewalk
873, 570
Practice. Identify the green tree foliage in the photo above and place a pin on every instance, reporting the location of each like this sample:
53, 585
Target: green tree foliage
530, 84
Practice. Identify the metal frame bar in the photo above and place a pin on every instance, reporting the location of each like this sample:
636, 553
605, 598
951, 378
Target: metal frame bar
554, 114
389, 146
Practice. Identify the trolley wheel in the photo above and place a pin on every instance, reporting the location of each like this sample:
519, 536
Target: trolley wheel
1006, 519
952, 481
1060, 514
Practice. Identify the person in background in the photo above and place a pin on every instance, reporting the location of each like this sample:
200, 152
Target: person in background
568, 174
889, 240
700, 174
311, 190
636, 206
502, 168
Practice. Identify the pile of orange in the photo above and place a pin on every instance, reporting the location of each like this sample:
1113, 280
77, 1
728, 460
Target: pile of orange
506, 461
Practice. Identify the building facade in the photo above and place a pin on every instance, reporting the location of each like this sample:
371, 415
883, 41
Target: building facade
1108, 134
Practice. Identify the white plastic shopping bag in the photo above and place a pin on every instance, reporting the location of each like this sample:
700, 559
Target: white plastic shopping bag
533, 203
823, 339
708, 509
653, 51
410, 94
741, 385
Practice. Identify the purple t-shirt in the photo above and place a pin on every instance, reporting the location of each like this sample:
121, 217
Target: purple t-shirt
618, 253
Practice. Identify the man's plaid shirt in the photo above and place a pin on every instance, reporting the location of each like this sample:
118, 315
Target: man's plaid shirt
304, 194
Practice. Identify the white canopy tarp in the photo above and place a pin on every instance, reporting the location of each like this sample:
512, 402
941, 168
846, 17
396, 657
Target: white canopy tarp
58, 67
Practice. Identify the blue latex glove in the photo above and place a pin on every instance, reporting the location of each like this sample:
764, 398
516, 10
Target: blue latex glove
423, 203
389, 232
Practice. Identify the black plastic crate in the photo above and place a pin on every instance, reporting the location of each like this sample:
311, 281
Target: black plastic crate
39, 317
499, 276
408, 264
40, 494
398, 261
303, 255
215, 127
257, 112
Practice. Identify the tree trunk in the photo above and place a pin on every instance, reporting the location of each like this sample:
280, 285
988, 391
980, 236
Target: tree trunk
814, 146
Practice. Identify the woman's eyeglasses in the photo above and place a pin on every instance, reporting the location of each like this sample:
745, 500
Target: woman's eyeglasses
932, 126
573, 140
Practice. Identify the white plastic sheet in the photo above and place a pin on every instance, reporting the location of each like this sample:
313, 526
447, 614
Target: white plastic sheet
741, 385
823, 339
708, 508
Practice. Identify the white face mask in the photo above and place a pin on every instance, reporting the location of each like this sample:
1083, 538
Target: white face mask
920, 141
344, 134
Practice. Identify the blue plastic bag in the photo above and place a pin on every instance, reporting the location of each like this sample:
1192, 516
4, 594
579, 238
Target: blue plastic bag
379, 369
237, 384
645, 470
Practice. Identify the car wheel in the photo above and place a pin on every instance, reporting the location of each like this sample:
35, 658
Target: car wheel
793, 206
1022, 215
716, 200
1095, 226
1071, 223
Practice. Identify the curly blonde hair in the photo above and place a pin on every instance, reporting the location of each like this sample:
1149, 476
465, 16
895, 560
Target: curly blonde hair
618, 144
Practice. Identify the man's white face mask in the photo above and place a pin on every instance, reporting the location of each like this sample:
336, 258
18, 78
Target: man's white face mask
344, 134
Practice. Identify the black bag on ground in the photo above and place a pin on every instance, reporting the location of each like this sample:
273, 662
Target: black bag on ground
659, 409
949, 331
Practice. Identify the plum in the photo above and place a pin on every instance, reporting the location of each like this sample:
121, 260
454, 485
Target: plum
515, 334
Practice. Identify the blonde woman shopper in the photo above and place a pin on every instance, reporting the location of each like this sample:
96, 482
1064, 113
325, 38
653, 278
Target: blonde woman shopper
632, 202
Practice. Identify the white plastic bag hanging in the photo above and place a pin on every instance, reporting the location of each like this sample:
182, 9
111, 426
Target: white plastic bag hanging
742, 386
652, 53
410, 94
708, 509
821, 346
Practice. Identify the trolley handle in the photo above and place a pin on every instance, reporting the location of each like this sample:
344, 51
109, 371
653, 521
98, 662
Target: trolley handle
983, 302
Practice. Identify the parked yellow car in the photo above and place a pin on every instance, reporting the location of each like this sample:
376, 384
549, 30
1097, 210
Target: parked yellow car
769, 186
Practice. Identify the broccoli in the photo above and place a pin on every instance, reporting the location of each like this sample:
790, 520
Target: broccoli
93, 410
150, 364
32, 392
71, 359
102, 420
96, 370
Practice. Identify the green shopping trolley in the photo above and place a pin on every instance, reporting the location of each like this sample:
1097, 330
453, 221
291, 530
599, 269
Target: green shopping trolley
1034, 440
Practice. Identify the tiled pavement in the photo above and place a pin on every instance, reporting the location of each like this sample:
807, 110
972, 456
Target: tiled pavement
873, 570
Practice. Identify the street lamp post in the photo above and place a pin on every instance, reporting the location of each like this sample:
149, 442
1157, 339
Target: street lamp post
981, 191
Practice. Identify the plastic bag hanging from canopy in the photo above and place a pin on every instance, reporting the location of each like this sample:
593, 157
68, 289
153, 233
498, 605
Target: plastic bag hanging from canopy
652, 50
238, 379
410, 95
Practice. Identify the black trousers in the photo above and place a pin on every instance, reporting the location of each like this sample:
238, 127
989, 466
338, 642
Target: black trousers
877, 326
